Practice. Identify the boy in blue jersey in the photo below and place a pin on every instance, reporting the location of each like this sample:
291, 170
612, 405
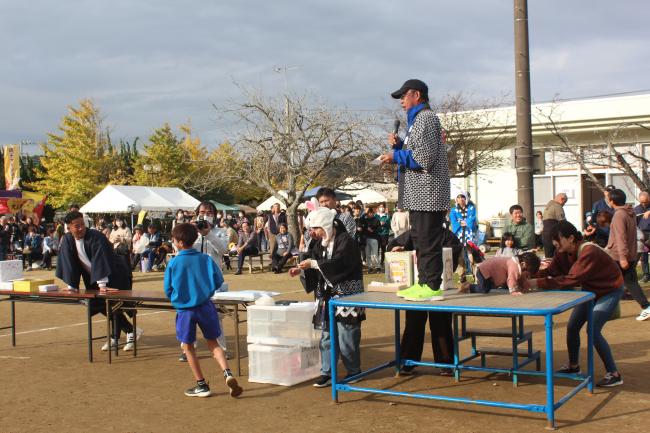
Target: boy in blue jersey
191, 279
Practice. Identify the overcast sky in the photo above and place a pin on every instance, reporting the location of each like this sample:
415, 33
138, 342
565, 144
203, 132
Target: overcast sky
147, 62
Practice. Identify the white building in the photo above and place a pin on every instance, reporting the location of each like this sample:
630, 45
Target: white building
588, 124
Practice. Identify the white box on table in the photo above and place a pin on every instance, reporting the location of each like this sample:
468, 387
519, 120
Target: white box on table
283, 325
11, 270
6, 285
282, 365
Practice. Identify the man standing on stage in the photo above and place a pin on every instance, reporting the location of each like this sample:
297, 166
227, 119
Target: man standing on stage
422, 157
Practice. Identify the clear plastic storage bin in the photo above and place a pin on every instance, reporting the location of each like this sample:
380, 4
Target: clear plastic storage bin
282, 325
282, 365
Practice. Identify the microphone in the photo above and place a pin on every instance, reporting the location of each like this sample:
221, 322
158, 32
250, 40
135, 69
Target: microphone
396, 126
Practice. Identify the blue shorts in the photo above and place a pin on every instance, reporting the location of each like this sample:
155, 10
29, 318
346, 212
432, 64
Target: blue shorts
204, 315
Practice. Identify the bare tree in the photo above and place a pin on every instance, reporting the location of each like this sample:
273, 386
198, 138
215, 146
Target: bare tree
475, 132
293, 143
618, 149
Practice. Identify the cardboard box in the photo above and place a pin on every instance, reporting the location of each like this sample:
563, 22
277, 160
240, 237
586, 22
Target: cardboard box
11, 270
30, 284
398, 267
377, 286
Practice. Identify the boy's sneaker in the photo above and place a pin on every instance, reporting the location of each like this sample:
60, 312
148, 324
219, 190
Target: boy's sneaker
424, 293
404, 292
610, 380
130, 338
569, 370
322, 382
183, 357
645, 314
199, 391
235, 389
113, 344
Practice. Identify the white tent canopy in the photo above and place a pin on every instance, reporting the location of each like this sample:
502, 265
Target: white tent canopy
266, 204
132, 199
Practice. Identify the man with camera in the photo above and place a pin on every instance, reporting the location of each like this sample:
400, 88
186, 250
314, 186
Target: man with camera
212, 240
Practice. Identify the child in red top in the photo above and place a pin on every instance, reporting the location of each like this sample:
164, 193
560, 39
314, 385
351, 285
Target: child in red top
511, 272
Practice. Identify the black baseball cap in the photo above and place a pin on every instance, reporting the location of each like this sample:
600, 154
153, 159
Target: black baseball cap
412, 84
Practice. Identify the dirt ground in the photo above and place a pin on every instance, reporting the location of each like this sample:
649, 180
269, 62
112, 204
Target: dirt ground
49, 386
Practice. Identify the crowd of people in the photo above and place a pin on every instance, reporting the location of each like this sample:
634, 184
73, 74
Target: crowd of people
336, 241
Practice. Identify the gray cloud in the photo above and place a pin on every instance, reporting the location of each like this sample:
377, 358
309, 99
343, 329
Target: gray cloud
148, 62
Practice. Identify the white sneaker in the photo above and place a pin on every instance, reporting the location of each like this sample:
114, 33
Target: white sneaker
644, 315
113, 344
129, 339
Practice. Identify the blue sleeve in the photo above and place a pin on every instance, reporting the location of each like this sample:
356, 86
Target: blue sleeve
471, 218
405, 158
168, 281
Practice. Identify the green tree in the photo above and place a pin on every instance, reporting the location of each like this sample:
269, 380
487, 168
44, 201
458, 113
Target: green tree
72, 168
163, 162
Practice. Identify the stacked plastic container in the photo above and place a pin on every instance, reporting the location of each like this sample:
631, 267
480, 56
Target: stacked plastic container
283, 344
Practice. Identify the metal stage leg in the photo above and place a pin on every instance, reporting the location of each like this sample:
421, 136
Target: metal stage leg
515, 351
237, 349
398, 349
590, 346
90, 332
456, 346
550, 391
334, 344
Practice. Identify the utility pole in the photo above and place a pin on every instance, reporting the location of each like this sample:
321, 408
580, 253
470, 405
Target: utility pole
287, 108
524, 146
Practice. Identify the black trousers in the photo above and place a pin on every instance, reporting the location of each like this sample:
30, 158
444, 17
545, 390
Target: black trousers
120, 322
442, 340
427, 235
279, 260
547, 240
631, 282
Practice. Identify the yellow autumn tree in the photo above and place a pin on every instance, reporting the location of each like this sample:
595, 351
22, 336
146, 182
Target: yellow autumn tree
163, 161
72, 168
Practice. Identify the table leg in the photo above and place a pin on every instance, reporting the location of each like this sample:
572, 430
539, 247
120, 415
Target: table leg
550, 391
237, 348
398, 356
108, 328
590, 346
13, 323
334, 340
90, 332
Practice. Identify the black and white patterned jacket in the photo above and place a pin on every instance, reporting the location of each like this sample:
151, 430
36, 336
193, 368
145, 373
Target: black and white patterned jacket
427, 189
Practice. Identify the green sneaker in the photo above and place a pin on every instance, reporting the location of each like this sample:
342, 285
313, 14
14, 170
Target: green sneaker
423, 294
404, 292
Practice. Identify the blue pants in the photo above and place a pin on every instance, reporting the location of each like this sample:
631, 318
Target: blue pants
348, 348
483, 285
603, 310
